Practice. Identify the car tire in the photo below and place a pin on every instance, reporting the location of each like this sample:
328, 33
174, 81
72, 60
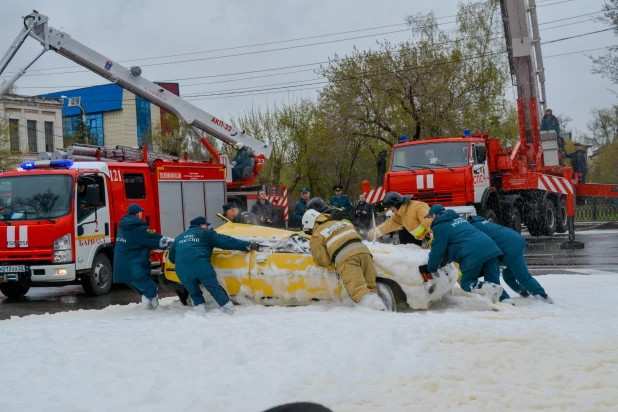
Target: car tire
388, 297
100, 279
14, 290
561, 217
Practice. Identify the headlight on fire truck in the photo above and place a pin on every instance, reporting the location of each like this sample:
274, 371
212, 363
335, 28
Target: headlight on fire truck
62, 249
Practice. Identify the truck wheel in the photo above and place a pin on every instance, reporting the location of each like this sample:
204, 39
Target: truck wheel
513, 219
490, 215
549, 217
14, 290
388, 297
100, 279
562, 218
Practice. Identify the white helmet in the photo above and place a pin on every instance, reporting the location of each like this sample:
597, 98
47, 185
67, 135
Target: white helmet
239, 145
309, 220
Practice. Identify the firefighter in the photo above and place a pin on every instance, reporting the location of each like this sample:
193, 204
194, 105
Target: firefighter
513, 246
234, 214
134, 242
338, 242
550, 122
407, 213
301, 206
191, 254
82, 200
340, 200
264, 210
578, 161
240, 161
334, 213
456, 240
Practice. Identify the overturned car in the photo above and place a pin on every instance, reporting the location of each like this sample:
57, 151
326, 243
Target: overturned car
283, 272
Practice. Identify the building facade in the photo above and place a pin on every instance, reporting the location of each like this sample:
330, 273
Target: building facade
113, 116
34, 124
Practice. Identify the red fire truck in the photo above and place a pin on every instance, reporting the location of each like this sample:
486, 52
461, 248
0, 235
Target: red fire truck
53, 234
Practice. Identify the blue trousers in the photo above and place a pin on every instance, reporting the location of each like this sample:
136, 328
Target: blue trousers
489, 270
145, 287
517, 276
211, 284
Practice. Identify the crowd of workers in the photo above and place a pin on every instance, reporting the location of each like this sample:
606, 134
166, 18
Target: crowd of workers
476, 245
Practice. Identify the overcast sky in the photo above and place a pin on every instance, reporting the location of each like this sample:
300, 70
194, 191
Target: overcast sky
133, 29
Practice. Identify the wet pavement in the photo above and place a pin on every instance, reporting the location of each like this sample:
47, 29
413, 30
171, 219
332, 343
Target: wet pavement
544, 256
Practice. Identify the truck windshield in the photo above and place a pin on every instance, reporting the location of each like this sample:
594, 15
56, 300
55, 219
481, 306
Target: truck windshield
35, 197
430, 155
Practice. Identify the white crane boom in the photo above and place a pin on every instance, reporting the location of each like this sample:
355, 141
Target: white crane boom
36, 26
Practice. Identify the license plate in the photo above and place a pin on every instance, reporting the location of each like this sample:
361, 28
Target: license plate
12, 269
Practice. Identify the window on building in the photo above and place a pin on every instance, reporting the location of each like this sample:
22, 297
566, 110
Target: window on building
14, 134
32, 135
72, 130
49, 136
142, 110
134, 186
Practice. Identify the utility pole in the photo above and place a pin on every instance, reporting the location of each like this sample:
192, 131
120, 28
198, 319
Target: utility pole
520, 45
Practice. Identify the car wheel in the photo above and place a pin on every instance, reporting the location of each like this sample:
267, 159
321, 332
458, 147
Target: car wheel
388, 297
562, 221
100, 279
14, 290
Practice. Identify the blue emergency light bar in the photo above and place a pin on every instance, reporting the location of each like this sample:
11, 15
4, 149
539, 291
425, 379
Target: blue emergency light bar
467, 133
42, 164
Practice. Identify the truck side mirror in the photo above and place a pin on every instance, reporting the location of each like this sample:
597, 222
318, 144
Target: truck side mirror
92, 195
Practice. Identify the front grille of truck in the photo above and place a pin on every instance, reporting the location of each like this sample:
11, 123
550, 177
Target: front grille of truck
432, 197
31, 254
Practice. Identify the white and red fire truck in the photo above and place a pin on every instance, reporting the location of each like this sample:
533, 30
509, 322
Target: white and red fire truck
51, 234
475, 174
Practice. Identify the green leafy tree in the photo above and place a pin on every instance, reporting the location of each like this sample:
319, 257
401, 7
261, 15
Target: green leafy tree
607, 64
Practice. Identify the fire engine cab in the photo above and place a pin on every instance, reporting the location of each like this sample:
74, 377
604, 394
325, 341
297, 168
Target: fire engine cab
59, 215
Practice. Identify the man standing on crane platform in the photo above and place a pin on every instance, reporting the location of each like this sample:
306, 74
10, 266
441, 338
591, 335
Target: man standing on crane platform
240, 161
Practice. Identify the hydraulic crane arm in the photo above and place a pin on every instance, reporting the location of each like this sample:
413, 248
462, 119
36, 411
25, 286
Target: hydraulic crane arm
36, 26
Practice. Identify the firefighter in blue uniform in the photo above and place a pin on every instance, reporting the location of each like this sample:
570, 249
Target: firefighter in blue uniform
340, 200
301, 206
134, 242
191, 254
456, 240
513, 246
239, 162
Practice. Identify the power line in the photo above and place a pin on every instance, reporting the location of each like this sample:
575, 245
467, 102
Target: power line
578, 35
254, 52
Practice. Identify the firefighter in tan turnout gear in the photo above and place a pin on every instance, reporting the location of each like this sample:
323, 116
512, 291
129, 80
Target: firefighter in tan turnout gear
337, 241
407, 213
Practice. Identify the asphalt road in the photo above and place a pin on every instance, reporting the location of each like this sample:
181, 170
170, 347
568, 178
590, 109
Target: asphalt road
544, 256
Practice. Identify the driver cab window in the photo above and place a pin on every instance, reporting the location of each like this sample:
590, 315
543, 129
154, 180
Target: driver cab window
82, 208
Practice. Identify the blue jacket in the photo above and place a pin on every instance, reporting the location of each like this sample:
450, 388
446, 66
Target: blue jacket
241, 158
456, 240
192, 250
511, 243
299, 209
341, 202
134, 242
550, 123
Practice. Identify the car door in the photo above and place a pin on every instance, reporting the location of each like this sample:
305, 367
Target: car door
286, 274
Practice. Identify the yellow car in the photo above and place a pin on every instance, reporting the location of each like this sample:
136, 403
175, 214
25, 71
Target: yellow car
284, 273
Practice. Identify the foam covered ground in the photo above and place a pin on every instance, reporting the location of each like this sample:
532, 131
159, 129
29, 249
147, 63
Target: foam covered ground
457, 356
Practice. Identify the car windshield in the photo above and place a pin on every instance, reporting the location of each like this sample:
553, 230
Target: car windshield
430, 155
35, 197
292, 244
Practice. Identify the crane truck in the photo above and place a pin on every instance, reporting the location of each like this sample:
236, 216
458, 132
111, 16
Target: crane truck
53, 234
474, 174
